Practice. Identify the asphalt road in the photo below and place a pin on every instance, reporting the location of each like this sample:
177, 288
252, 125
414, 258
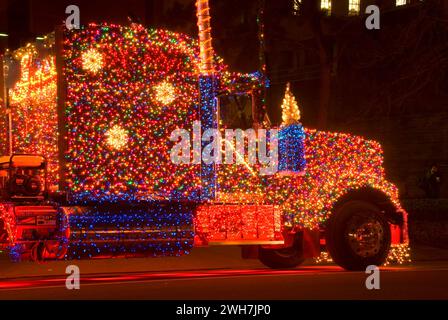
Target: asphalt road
218, 273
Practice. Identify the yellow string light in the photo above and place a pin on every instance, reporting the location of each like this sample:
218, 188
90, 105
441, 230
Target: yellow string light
290, 108
205, 37
33, 101
399, 254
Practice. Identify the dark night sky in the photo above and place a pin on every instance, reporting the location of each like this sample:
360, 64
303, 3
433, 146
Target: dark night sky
26, 19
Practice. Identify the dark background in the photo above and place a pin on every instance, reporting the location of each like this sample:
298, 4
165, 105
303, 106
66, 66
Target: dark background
389, 84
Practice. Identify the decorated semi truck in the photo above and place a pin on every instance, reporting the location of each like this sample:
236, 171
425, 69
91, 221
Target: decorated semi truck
87, 124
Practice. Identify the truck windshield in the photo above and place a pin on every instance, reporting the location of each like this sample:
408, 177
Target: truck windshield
235, 111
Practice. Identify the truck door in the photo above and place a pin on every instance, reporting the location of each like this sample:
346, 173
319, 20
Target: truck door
238, 180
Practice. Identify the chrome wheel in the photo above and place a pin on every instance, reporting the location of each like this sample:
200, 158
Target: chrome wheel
365, 237
358, 235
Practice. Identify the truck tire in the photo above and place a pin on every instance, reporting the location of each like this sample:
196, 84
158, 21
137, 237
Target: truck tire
286, 258
357, 235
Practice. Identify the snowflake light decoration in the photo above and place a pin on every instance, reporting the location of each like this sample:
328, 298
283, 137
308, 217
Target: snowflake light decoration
92, 60
117, 137
165, 93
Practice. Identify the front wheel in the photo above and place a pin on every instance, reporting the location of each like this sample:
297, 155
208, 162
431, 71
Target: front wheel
285, 258
357, 235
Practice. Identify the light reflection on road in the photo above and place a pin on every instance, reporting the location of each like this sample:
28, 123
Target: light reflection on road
35, 282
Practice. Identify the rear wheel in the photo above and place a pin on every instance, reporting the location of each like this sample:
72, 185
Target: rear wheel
358, 235
285, 258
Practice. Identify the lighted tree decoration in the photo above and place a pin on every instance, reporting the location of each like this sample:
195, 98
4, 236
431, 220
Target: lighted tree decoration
290, 108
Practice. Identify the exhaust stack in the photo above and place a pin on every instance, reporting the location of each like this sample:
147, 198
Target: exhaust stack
205, 37
207, 88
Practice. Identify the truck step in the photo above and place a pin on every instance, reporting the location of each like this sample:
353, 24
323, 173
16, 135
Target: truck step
117, 231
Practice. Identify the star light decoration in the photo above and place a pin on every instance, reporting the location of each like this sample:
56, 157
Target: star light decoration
117, 137
92, 60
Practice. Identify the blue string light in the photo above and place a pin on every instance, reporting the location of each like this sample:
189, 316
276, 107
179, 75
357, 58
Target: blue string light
163, 230
292, 149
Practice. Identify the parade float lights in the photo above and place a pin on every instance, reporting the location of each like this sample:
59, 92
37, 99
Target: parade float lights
128, 88
226, 146
33, 101
126, 93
